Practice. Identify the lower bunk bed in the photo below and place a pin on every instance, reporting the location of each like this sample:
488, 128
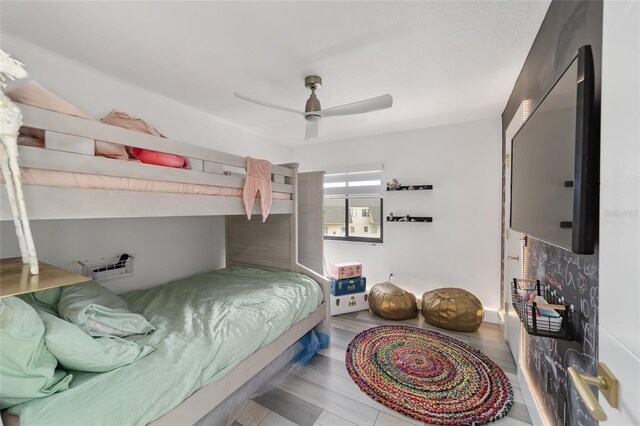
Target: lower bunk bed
213, 332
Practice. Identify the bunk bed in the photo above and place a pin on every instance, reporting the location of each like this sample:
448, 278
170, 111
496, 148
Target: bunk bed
105, 187
64, 180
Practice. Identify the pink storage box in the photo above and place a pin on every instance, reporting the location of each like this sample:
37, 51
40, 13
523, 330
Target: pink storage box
346, 270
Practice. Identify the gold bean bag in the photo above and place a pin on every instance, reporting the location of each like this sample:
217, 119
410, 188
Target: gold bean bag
391, 302
452, 308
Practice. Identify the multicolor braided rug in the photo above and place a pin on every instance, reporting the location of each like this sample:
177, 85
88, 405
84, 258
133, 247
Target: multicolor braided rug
428, 376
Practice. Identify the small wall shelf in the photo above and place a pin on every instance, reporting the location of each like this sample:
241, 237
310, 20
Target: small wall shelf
409, 218
16, 279
411, 188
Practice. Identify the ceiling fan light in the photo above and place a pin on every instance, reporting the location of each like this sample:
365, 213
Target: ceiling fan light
313, 104
313, 111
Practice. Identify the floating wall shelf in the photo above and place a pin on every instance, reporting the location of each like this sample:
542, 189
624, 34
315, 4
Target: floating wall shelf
409, 219
16, 279
411, 188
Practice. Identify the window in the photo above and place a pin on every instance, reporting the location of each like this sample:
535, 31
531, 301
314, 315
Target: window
335, 224
353, 206
361, 228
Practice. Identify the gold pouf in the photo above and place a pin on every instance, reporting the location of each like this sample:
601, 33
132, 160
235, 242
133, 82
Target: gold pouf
391, 302
452, 308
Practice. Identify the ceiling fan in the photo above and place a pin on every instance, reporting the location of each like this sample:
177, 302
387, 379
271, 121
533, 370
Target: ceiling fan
313, 112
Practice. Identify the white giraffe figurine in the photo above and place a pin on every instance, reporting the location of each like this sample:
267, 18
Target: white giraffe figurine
10, 122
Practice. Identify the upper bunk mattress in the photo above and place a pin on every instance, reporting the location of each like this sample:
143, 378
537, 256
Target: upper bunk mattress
62, 179
205, 326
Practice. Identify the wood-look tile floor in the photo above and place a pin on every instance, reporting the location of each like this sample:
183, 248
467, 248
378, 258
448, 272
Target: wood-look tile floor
323, 393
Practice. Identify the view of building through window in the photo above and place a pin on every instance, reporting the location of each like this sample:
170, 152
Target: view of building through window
364, 215
334, 217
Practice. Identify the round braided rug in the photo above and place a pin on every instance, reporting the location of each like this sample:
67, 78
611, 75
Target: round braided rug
428, 376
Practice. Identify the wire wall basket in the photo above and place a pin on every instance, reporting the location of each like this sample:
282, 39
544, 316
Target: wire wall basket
106, 268
541, 310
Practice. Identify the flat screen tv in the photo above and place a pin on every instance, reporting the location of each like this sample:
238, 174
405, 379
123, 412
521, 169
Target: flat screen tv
555, 163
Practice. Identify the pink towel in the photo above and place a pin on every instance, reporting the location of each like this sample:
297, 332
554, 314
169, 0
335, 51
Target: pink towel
258, 180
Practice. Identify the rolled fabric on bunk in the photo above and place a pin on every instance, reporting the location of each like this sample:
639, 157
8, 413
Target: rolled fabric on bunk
124, 120
32, 93
159, 158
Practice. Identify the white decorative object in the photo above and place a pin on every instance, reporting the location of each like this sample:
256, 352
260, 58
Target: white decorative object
394, 185
11, 120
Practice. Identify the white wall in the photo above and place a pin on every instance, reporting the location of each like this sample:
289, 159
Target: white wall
619, 245
97, 93
461, 248
164, 248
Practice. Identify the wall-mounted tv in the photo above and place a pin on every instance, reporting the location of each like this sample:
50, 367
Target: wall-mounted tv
555, 163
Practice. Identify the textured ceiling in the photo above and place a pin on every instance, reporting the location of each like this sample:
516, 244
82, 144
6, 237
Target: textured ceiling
442, 61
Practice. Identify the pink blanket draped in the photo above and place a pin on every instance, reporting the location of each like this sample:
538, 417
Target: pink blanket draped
258, 180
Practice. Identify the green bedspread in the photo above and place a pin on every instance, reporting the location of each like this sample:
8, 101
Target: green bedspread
205, 326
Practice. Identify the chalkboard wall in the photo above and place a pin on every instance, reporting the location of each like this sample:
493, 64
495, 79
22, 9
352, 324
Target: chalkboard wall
567, 26
576, 278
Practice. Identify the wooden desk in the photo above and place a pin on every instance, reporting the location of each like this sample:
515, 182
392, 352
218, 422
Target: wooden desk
15, 277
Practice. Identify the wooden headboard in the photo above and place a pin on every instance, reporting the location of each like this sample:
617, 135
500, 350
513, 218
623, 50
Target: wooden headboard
270, 245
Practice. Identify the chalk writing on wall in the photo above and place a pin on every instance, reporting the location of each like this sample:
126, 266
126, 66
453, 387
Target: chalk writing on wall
576, 278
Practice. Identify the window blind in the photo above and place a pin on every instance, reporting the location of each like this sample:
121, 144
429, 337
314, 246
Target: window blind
366, 183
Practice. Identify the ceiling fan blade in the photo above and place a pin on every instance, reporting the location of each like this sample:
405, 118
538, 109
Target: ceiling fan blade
368, 105
312, 130
267, 104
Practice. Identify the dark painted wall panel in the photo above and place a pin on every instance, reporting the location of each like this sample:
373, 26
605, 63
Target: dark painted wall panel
567, 26
576, 278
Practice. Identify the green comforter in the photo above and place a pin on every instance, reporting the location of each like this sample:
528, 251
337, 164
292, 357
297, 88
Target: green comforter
205, 326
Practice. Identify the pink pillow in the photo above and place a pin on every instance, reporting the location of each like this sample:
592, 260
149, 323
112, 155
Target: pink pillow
32, 93
122, 119
159, 158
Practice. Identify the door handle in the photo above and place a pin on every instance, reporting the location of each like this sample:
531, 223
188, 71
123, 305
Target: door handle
513, 257
605, 381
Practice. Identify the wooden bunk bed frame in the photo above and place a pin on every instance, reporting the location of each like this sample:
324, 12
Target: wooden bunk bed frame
69, 144
69, 147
